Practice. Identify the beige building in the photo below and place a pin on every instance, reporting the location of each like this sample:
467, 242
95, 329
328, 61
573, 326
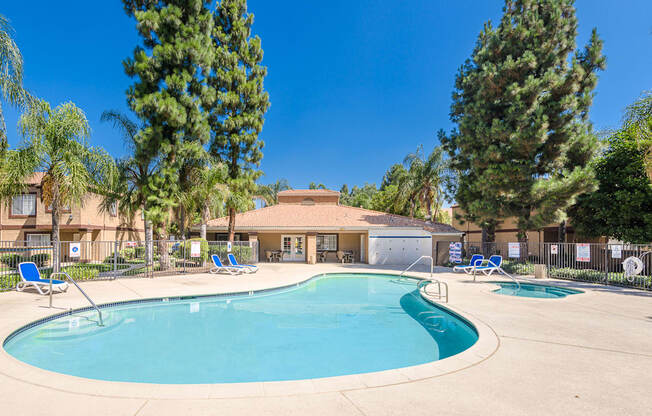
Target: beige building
507, 230
310, 226
26, 218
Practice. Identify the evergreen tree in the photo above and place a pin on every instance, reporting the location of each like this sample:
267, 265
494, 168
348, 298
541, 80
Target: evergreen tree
169, 94
523, 142
237, 116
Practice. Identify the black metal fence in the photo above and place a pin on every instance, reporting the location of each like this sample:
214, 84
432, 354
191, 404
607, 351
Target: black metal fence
589, 262
105, 260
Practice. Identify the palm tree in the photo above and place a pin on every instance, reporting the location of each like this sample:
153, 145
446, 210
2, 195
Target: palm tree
55, 144
423, 184
11, 78
127, 186
269, 193
207, 195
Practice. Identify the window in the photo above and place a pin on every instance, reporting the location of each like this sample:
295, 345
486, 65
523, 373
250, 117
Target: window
24, 205
65, 208
113, 210
326, 242
38, 240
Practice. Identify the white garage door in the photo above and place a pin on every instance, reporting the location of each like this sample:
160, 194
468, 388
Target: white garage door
398, 249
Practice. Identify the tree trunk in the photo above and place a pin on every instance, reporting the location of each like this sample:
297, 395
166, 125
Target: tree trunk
231, 224
148, 243
163, 249
204, 220
56, 246
561, 234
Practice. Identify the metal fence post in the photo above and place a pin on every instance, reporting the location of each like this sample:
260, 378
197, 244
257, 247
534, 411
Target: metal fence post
115, 259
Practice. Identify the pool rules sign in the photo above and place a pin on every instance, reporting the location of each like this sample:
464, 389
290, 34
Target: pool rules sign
195, 249
75, 250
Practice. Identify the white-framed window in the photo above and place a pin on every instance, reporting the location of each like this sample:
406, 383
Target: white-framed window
113, 210
24, 204
38, 240
327, 242
65, 208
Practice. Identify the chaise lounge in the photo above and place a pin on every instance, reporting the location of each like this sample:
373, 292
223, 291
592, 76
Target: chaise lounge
30, 276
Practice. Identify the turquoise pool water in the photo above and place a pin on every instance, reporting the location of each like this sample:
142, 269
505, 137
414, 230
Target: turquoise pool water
530, 290
333, 325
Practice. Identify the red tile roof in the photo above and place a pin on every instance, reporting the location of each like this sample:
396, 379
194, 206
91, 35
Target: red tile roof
323, 216
308, 192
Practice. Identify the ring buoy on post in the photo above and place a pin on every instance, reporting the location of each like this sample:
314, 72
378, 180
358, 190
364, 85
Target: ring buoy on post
632, 266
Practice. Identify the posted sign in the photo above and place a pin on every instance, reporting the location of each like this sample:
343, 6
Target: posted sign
583, 252
514, 250
554, 249
228, 246
616, 251
195, 249
455, 252
75, 250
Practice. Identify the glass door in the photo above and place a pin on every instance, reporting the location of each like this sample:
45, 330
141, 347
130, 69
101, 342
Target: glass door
293, 247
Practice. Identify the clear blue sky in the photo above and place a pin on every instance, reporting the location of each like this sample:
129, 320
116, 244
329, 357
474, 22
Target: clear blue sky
354, 84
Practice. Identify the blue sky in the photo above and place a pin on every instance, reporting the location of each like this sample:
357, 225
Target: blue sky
354, 84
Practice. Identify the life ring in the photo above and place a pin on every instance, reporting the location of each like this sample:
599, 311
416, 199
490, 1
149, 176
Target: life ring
632, 266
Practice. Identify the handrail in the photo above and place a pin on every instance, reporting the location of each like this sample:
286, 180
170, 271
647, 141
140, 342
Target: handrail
424, 284
418, 260
99, 312
500, 269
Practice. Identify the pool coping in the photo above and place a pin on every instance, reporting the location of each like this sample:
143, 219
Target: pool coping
486, 345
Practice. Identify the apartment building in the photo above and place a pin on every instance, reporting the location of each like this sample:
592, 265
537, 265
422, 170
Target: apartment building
27, 218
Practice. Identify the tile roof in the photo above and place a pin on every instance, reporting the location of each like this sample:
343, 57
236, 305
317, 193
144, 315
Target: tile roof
307, 192
323, 216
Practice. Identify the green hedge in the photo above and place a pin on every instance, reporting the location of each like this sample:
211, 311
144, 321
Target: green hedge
13, 259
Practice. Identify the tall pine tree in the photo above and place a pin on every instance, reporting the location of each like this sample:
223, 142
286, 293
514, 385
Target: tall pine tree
237, 116
523, 141
170, 94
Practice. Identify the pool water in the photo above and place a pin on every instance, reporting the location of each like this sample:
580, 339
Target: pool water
530, 290
333, 325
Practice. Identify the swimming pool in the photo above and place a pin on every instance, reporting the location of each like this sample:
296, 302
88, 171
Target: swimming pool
531, 290
332, 325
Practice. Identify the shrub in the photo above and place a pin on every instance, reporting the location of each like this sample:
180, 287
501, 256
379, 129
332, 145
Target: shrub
82, 271
244, 254
127, 253
40, 259
182, 250
11, 259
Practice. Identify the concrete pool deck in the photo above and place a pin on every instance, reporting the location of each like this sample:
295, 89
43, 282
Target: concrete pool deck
589, 353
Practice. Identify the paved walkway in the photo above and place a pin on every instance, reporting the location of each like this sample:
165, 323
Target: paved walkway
584, 354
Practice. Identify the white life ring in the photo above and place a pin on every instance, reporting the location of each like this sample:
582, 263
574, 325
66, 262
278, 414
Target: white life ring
632, 266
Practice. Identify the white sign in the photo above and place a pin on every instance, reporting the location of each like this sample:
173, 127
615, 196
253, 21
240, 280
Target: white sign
195, 249
583, 252
131, 244
455, 252
75, 250
554, 249
228, 246
616, 251
514, 250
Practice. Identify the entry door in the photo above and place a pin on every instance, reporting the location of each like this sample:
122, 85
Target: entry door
293, 247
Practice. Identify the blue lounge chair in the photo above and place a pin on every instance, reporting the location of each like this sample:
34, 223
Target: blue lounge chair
250, 268
220, 268
30, 276
476, 260
492, 265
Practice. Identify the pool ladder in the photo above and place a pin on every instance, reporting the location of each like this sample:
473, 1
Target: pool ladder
425, 283
99, 312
